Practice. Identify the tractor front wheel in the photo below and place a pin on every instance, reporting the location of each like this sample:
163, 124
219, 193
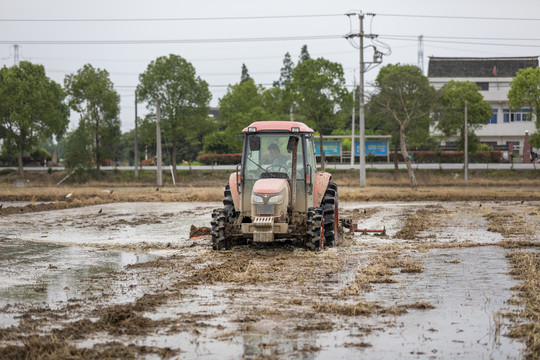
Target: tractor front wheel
221, 218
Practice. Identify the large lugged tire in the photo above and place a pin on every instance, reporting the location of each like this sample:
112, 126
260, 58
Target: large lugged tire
228, 205
330, 215
219, 242
221, 218
314, 241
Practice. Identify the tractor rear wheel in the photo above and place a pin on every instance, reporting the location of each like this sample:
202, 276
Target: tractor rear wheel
330, 215
314, 240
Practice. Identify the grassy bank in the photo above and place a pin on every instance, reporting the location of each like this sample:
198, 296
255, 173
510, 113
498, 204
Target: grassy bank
211, 178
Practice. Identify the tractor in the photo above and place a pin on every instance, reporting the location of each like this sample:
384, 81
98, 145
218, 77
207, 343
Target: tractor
276, 191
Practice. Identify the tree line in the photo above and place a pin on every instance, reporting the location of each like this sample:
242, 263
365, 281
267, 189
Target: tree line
34, 109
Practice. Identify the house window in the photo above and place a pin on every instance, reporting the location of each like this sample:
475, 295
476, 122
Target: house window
519, 115
484, 86
493, 119
527, 114
515, 146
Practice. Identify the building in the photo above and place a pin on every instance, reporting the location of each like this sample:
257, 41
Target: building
493, 76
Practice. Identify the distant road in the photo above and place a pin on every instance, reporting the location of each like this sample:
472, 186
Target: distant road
493, 166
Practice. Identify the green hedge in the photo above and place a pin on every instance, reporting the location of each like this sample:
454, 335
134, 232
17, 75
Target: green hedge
220, 159
423, 157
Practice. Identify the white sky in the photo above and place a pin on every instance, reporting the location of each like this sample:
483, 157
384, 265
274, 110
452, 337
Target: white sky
220, 63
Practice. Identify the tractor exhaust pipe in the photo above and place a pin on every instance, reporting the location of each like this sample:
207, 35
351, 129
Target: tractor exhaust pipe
293, 172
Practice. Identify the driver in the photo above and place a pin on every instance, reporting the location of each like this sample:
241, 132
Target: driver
276, 158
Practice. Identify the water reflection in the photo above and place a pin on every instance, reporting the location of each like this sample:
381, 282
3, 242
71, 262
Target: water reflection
36, 271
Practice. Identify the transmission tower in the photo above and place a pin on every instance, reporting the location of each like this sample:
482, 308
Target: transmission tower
421, 52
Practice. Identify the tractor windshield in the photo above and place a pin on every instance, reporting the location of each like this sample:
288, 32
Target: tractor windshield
270, 157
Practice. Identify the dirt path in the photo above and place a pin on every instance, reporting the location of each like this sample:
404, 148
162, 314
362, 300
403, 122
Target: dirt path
123, 280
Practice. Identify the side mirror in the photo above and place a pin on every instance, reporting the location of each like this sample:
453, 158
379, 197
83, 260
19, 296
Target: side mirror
254, 143
291, 143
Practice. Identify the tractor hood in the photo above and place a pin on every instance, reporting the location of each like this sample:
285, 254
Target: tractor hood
270, 186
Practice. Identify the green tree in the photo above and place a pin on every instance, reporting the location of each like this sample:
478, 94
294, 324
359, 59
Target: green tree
184, 100
304, 54
285, 77
91, 93
245, 74
278, 103
404, 94
525, 92
321, 96
239, 107
32, 108
278, 99
77, 151
451, 111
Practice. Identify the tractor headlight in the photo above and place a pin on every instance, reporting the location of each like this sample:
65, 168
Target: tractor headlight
278, 199
256, 199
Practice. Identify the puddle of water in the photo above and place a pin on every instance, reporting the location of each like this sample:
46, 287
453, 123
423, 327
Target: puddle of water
37, 272
468, 287
123, 224
23, 203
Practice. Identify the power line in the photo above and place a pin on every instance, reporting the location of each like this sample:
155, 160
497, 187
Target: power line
262, 17
219, 18
172, 41
460, 17
464, 37
189, 59
462, 42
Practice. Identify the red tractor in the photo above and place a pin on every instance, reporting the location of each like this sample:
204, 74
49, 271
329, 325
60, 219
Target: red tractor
277, 192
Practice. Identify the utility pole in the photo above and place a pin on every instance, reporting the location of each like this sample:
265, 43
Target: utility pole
16, 54
136, 152
361, 108
158, 144
353, 119
363, 69
421, 53
466, 149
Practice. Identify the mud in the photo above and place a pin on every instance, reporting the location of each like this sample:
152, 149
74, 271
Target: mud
129, 280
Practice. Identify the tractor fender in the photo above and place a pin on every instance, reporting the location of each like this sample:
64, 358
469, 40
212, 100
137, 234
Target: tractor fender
234, 190
319, 187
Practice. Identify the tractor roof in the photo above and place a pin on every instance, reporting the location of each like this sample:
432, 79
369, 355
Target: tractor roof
279, 126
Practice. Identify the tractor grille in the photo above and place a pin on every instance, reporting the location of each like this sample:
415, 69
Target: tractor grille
265, 209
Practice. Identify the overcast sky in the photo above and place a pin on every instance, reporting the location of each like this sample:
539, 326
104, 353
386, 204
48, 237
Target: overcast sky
124, 48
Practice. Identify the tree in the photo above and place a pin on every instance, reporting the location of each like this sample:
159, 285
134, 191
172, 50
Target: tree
78, 153
525, 92
32, 108
91, 93
320, 94
245, 74
184, 99
404, 94
451, 111
239, 107
285, 76
304, 54
279, 97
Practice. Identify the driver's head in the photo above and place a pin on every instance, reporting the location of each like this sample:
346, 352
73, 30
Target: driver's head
273, 149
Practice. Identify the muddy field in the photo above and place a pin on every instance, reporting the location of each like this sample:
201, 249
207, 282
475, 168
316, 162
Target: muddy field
124, 280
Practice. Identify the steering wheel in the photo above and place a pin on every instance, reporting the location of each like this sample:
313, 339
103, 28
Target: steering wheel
277, 168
